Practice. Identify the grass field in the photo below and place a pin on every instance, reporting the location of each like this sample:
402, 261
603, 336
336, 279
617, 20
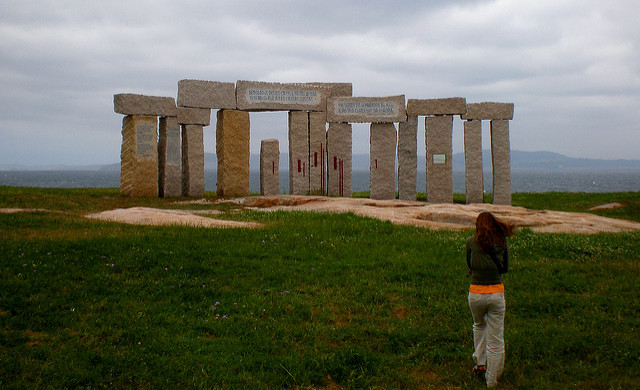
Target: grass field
309, 301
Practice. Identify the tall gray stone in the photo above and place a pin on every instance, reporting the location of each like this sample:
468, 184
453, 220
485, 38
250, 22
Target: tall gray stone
439, 147
501, 162
474, 185
232, 148
269, 167
139, 156
407, 158
317, 153
298, 152
382, 161
192, 160
339, 161
169, 157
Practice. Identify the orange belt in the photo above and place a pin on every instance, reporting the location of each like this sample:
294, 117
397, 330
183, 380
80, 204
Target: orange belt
486, 289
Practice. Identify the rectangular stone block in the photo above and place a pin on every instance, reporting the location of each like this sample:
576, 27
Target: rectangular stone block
263, 96
474, 182
169, 158
445, 106
336, 89
382, 161
214, 95
192, 160
133, 104
232, 147
385, 109
339, 162
501, 162
298, 152
439, 145
194, 116
317, 153
269, 167
489, 111
408, 158
139, 156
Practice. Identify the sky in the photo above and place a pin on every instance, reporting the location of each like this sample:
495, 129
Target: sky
571, 67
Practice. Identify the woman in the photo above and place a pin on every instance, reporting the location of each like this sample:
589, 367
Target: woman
487, 259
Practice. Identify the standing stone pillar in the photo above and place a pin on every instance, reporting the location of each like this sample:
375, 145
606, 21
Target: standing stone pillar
269, 167
339, 140
298, 152
473, 171
501, 161
317, 153
407, 158
439, 149
139, 156
232, 147
192, 160
382, 161
499, 114
169, 157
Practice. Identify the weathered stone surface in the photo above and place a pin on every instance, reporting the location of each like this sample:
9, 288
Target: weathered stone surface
474, 185
407, 158
206, 94
317, 153
501, 162
192, 160
169, 156
263, 96
336, 89
232, 147
439, 142
382, 161
444, 106
194, 116
489, 111
298, 152
133, 104
269, 167
339, 162
385, 109
139, 156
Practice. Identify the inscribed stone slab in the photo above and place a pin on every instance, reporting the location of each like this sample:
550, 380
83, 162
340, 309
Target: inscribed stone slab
474, 182
501, 162
192, 160
489, 111
139, 156
382, 161
407, 158
317, 153
263, 96
169, 156
385, 109
439, 144
445, 106
336, 89
298, 152
194, 116
232, 147
214, 95
339, 162
133, 104
269, 167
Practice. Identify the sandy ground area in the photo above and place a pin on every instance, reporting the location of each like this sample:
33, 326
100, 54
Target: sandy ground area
421, 214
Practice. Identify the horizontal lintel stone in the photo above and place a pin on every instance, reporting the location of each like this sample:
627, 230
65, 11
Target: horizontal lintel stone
134, 104
488, 111
337, 89
444, 106
194, 116
385, 109
215, 95
264, 96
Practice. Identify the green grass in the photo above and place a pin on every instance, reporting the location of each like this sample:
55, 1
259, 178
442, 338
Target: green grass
310, 301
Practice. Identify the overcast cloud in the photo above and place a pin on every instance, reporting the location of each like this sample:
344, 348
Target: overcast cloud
572, 67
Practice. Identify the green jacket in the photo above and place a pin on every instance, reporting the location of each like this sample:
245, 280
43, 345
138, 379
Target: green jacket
483, 269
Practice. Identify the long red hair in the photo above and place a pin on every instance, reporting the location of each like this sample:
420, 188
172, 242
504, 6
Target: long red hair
490, 232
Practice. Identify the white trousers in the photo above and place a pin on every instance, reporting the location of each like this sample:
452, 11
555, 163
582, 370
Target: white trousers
488, 333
